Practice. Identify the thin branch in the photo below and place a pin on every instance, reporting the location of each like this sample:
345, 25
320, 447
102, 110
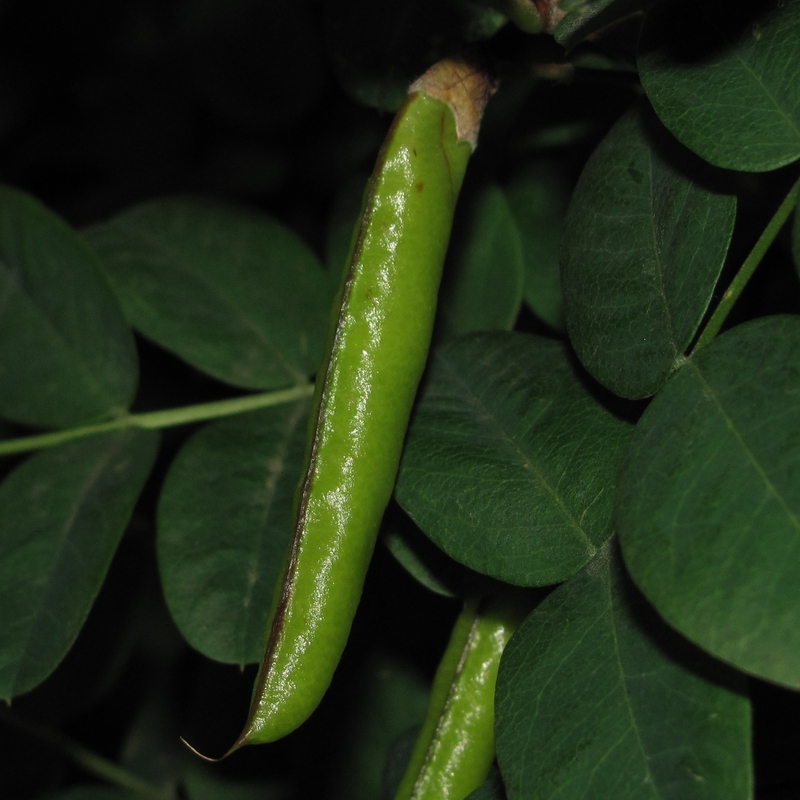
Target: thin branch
153, 420
748, 268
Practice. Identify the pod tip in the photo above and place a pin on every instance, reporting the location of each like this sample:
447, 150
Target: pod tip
209, 758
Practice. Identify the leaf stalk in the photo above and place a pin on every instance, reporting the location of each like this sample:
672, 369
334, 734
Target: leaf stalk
747, 269
155, 420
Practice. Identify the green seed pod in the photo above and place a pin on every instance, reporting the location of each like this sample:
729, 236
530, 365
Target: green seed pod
455, 748
378, 346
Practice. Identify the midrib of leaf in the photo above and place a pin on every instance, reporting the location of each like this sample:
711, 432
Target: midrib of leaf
247, 322
514, 447
709, 392
42, 606
626, 690
87, 374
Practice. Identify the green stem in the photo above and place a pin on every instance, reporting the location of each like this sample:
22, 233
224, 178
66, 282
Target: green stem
89, 760
748, 268
153, 420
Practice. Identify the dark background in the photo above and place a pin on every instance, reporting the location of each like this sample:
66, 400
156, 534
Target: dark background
106, 104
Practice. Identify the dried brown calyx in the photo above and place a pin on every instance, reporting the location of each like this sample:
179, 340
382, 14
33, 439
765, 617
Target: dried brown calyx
465, 88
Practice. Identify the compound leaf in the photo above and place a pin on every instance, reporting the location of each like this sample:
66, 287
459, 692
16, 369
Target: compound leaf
708, 499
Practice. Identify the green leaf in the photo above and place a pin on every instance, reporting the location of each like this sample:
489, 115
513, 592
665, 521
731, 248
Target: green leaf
725, 79
66, 355
510, 462
225, 517
596, 697
708, 502
538, 196
62, 514
378, 49
235, 294
482, 287
644, 246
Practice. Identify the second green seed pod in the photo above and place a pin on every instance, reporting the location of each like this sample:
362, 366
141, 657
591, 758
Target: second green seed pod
455, 748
